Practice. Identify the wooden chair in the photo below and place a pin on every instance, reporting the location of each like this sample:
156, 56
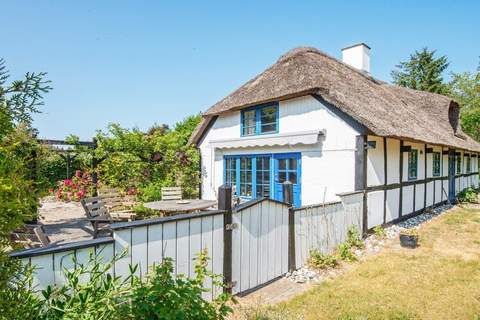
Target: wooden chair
172, 193
42, 236
100, 217
111, 198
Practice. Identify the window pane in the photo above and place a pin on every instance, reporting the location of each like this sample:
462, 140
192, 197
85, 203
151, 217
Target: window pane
292, 177
248, 131
269, 128
268, 119
436, 164
412, 164
282, 164
292, 164
248, 122
282, 176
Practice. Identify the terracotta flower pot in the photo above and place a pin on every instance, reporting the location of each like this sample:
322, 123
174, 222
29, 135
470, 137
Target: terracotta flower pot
408, 241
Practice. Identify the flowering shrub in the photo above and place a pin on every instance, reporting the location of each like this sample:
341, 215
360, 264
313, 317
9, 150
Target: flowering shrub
74, 189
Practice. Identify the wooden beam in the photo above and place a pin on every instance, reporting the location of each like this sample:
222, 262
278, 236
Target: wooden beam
401, 180
385, 178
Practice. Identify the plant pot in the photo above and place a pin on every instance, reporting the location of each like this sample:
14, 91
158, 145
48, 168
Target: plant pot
408, 241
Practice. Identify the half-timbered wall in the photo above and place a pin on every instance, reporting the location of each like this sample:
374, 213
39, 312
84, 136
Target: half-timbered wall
391, 195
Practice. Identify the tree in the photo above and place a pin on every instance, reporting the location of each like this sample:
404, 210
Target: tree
18, 196
464, 88
422, 72
21, 98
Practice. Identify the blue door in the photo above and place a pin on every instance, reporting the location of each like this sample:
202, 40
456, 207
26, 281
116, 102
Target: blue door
451, 176
287, 167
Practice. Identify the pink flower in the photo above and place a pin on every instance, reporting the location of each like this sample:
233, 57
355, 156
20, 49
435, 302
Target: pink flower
50, 190
67, 182
78, 173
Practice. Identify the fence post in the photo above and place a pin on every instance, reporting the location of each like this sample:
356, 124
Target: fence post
225, 203
288, 198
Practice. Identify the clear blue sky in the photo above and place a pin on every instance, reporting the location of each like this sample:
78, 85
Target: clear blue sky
143, 62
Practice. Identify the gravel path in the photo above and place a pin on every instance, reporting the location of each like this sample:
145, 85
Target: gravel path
64, 221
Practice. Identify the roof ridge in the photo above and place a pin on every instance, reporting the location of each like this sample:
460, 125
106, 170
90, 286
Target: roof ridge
290, 54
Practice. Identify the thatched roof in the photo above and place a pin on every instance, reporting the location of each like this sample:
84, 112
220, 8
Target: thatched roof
386, 110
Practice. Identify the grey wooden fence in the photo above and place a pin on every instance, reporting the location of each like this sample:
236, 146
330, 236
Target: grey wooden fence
325, 226
259, 244
250, 245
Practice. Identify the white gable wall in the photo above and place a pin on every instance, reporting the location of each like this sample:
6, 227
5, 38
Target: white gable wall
328, 167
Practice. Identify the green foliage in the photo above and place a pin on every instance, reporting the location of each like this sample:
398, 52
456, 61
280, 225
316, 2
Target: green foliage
91, 292
149, 161
345, 252
354, 241
468, 195
464, 88
150, 192
21, 98
423, 72
18, 196
98, 298
179, 297
379, 231
142, 212
17, 300
319, 260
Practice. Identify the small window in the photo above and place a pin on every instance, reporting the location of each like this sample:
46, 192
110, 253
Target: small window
436, 164
468, 165
260, 120
459, 164
412, 164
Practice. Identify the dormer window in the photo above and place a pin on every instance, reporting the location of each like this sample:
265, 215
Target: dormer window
260, 120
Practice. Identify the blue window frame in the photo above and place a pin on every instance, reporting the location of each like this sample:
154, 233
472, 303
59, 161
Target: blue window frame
262, 175
262, 181
262, 119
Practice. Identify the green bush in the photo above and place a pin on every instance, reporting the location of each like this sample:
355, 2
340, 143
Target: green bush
150, 192
379, 231
149, 160
354, 239
142, 212
164, 296
319, 260
91, 292
468, 195
345, 252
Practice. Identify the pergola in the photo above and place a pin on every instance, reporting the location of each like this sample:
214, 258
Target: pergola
70, 155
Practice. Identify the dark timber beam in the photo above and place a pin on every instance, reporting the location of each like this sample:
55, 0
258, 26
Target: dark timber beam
400, 180
385, 176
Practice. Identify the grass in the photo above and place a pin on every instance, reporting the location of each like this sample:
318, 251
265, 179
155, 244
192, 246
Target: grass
438, 280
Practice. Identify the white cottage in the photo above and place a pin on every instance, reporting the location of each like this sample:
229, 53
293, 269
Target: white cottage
329, 127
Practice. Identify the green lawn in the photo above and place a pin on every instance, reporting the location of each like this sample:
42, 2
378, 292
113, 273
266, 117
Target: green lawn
438, 280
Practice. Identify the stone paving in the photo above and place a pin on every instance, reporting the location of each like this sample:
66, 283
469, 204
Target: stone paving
64, 222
